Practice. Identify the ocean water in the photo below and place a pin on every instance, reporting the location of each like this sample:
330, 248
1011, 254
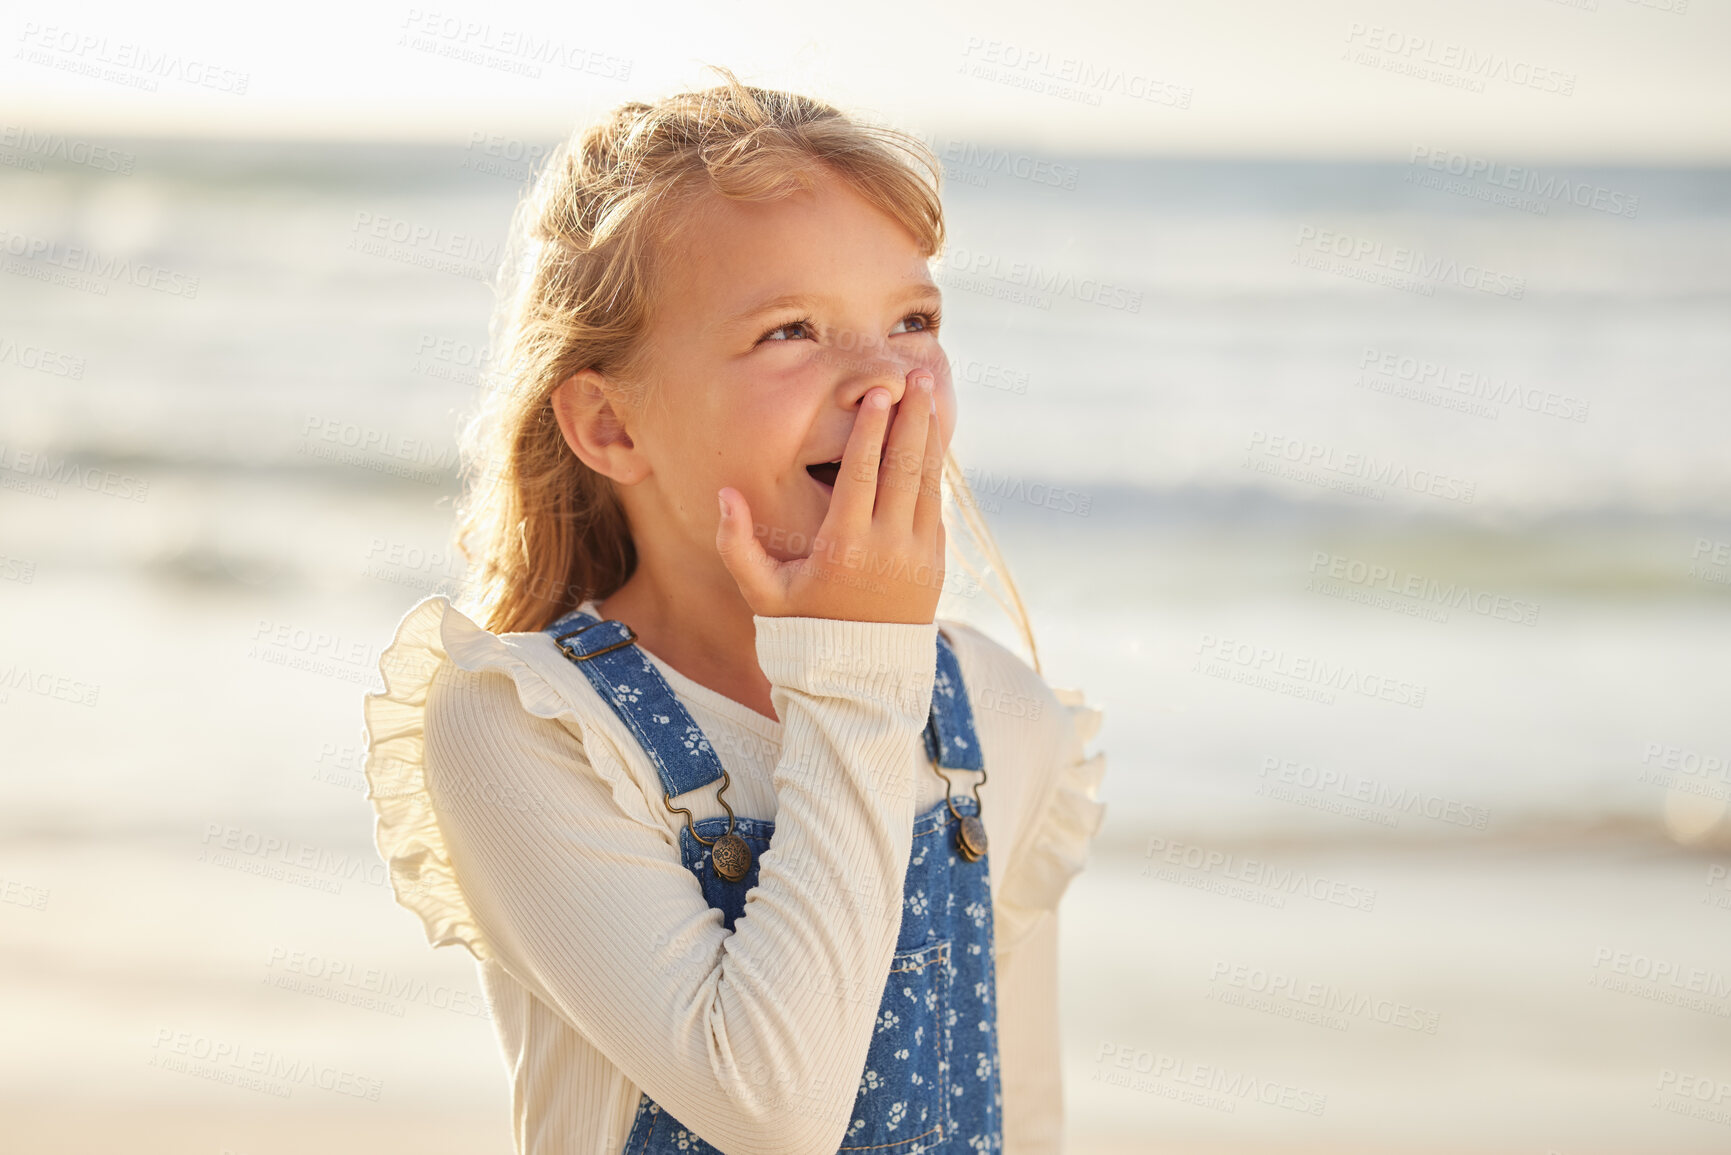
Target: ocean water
1386, 513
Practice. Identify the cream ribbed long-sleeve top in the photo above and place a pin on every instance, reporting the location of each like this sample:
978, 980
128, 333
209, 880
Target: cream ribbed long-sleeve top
520, 818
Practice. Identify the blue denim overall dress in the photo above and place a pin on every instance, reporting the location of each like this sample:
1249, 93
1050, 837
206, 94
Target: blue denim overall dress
931, 1078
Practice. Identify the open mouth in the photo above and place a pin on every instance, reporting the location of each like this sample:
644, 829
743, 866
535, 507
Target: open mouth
826, 473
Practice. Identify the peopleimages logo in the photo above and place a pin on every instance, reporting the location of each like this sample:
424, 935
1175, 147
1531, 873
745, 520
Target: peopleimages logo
1280, 667
1491, 180
1282, 990
256, 1068
1381, 370
366, 987
1319, 462
971, 263
1067, 77
42, 360
1443, 61
1337, 791
975, 164
1226, 1085
59, 686
1696, 1096
1661, 980
1275, 882
122, 62
101, 269
38, 146
1328, 570
517, 50
1409, 262
41, 473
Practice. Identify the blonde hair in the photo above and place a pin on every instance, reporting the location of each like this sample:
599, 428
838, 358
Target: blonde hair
541, 531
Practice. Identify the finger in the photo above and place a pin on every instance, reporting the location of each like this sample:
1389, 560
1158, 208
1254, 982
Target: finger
899, 479
743, 554
929, 509
850, 506
941, 557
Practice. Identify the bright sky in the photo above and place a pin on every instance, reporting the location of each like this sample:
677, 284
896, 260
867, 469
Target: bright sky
1611, 80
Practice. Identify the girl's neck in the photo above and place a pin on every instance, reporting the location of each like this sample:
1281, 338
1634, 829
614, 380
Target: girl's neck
703, 630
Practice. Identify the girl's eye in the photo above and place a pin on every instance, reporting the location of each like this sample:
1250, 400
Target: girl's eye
773, 334
803, 329
928, 322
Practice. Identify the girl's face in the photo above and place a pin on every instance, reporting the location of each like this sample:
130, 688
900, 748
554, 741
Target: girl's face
773, 321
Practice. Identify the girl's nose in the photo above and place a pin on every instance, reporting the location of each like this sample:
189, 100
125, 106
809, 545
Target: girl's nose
892, 375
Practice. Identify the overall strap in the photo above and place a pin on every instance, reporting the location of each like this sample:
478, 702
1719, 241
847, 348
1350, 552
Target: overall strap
605, 650
626, 680
950, 738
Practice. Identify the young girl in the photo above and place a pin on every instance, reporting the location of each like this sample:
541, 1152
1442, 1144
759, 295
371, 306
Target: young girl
754, 857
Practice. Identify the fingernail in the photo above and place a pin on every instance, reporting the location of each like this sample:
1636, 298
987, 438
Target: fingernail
724, 510
879, 398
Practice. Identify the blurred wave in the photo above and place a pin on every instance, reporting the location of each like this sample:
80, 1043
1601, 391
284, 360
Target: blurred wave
1180, 429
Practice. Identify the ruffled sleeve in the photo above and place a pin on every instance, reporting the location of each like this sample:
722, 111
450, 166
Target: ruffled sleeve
1056, 848
406, 829
436, 641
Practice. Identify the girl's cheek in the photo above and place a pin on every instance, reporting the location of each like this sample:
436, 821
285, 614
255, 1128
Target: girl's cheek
944, 391
945, 394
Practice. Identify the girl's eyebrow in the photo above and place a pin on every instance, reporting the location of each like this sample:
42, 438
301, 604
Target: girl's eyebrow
919, 290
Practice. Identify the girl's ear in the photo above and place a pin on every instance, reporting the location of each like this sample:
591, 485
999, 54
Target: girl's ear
583, 404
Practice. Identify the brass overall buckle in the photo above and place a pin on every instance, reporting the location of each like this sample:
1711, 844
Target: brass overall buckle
728, 853
561, 639
970, 830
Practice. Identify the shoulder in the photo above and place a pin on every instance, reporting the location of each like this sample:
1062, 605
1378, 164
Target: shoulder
442, 661
451, 685
1035, 736
1005, 692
